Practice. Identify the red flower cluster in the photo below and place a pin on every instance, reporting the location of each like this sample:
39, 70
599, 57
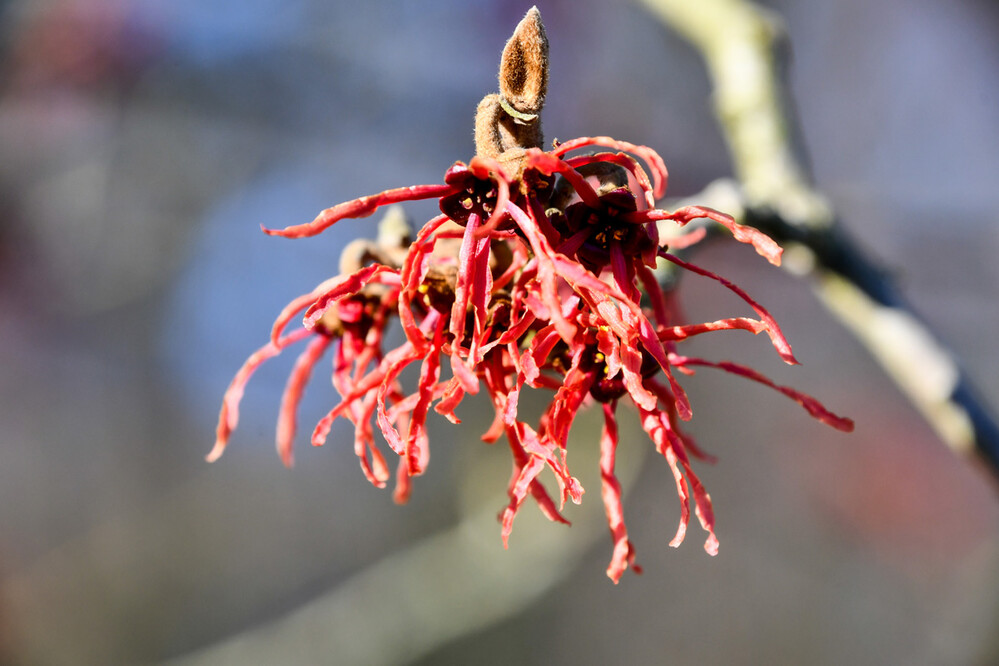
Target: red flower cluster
529, 278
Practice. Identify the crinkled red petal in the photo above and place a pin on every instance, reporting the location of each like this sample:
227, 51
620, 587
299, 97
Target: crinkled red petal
734, 323
297, 305
361, 207
669, 444
414, 270
385, 424
484, 167
780, 343
297, 380
229, 414
453, 396
472, 289
626, 161
417, 450
817, 410
549, 165
348, 285
567, 401
547, 272
403, 483
659, 173
765, 246
362, 387
624, 553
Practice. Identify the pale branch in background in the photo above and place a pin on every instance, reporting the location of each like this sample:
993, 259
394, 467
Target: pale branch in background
738, 41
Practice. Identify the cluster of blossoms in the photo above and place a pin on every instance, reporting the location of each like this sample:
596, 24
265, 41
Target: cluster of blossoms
537, 273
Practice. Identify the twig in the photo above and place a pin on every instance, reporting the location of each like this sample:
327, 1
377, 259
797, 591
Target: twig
738, 41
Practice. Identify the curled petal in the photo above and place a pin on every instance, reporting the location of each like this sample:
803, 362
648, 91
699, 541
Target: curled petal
414, 271
385, 423
351, 361
549, 164
624, 272
539, 349
624, 552
362, 387
659, 173
348, 285
544, 449
472, 289
547, 270
484, 167
631, 369
297, 380
734, 323
229, 414
495, 431
521, 322
375, 470
547, 504
654, 293
297, 305
362, 207
815, 408
417, 451
765, 246
518, 492
453, 395
683, 493
609, 346
567, 401
780, 343
626, 161
403, 483
524, 480
671, 446
652, 423
704, 509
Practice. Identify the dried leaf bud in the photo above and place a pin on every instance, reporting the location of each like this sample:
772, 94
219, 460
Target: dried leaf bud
507, 123
523, 75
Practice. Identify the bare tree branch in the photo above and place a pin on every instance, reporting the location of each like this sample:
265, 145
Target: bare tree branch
739, 41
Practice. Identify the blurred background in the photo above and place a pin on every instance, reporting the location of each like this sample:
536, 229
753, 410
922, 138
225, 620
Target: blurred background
142, 144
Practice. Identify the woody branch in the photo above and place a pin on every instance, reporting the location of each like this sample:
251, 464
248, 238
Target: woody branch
774, 193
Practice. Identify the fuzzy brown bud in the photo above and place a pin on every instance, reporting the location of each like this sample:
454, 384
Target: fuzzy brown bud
523, 75
510, 121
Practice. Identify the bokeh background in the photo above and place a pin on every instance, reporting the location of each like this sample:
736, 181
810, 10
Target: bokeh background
143, 143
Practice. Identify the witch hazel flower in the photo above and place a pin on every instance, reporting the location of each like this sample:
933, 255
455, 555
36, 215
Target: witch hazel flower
539, 274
